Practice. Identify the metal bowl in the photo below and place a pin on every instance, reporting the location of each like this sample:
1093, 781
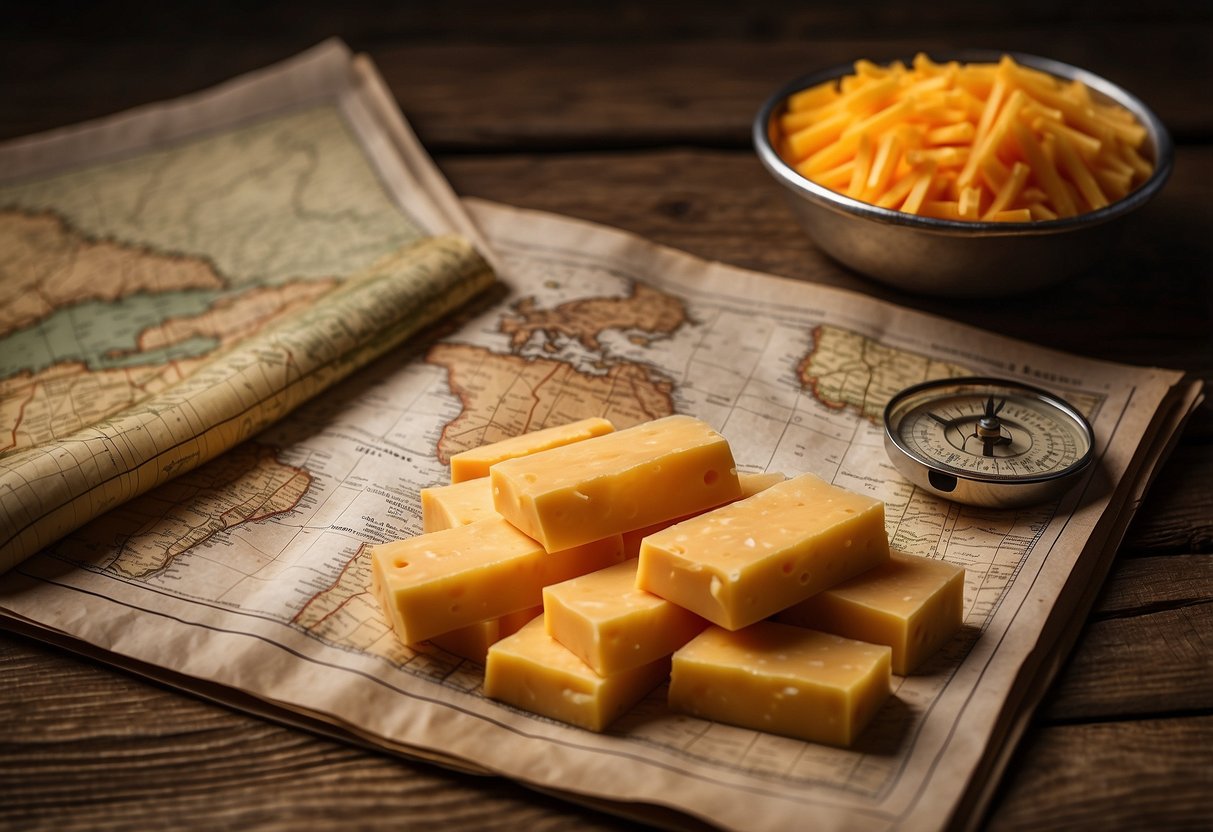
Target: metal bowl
956, 258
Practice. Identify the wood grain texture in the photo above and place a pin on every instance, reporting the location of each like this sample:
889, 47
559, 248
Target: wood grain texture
1148, 647
1177, 514
529, 21
1146, 774
1151, 663
581, 92
1152, 584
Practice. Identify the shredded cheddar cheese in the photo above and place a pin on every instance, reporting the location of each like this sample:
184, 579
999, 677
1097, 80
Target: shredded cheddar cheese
993, 142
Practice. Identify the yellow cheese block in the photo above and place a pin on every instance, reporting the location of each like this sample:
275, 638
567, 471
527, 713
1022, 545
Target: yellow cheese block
438, 582
447, 506
612, 626
475, 463
750, 484
533, 671
473, 642
751, 559
613, 483
912, 604
781, 679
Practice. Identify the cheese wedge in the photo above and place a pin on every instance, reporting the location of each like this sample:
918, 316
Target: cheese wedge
782, 679
447, 506
438, 582
533, 671
617, 482
912, 604
473, 641
750, 559
612, 626
750, 484
475, 463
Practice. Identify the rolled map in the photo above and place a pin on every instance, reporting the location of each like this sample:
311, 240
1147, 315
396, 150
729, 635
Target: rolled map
49, 490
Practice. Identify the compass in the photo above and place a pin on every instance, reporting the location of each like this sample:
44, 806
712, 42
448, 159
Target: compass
987, 441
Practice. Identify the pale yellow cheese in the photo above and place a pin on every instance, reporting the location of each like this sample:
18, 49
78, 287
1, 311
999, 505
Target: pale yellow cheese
750, 484
438, 582
447, 506
613, 483
612, 626
473, 641
912, 604
750, 559
782, 679
469, 465
533, 671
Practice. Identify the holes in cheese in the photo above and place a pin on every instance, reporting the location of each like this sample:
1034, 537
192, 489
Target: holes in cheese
942, 140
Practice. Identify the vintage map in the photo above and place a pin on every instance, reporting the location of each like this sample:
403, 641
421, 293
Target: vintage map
179, 281
250, 570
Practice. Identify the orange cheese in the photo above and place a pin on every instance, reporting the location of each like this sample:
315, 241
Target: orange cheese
936, 139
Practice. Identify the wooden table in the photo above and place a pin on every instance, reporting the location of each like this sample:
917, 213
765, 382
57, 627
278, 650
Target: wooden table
639, 117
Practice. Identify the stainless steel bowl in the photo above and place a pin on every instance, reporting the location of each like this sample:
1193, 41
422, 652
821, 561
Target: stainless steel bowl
946, 257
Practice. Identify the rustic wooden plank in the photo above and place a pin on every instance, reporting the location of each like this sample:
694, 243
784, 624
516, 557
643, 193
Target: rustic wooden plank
560, 92
87, 747
1146, 648
533, 20
1177, 514
1149, 584
1153, 663
708, 92
1148, 774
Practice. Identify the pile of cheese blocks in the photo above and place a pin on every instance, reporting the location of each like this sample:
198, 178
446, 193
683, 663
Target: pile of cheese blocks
585, 566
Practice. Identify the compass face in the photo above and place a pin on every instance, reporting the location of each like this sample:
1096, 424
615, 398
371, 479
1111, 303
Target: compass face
985, 431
